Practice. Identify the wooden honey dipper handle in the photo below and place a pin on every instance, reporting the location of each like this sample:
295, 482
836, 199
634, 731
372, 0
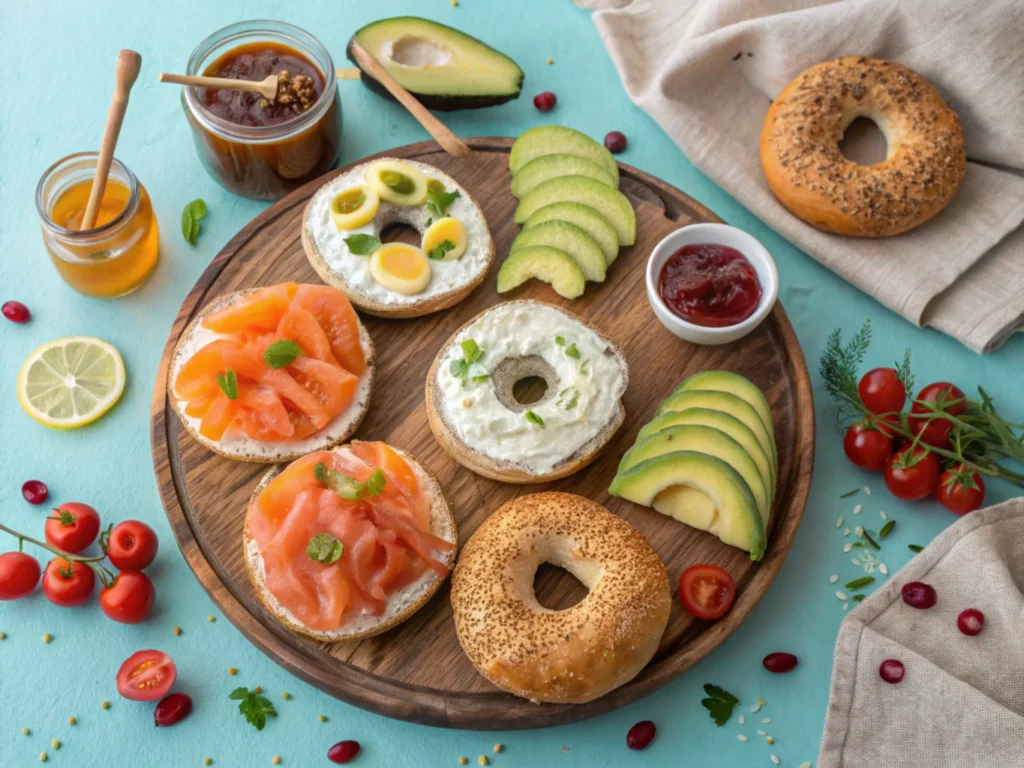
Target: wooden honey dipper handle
128, 65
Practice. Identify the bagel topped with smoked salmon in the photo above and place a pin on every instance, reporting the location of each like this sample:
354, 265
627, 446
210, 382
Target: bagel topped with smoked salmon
348, 543
270, 374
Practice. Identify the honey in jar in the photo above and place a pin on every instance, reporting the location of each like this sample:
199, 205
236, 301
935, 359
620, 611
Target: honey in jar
120, 252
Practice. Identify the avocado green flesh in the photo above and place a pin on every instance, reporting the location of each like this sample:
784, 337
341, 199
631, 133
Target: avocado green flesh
584, 217
569, 238
722, 421
734, 384
444, 68
709, 441
550, 166
544, 263
737, 522
557, 139
612, 204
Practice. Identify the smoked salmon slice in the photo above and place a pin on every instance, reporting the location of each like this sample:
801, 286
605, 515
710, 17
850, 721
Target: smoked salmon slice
288, 402
384, 546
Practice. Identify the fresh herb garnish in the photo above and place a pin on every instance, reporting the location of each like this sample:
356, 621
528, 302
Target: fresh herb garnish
857, 598
471, 353
281, 353
719, 704
374, 484
568, 398
190, 216
481, 377
439, 200
362, 245
903, 372
439, 251
560, 341
572, 352
324, 548
534, 419
863, 581
228, 384
585, 366
345, 486
848, 494
255, 707
871, 541
886, 529
459, 369
914, 547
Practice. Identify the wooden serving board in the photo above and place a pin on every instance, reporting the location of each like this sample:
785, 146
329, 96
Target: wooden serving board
418, 671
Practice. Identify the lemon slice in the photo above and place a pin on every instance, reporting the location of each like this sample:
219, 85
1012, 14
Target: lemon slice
68, 383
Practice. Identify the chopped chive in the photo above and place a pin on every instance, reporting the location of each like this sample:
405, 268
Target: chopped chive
914, 547
863, 581
848, 494
886, 529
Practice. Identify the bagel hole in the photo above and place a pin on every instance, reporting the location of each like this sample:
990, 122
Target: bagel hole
557, 589
529, 389
400, 232
863, 142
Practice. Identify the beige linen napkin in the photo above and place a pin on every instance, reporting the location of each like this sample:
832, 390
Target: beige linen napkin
706, 70
961, 703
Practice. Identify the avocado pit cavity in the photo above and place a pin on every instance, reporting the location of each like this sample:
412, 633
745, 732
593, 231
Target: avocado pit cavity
418, 52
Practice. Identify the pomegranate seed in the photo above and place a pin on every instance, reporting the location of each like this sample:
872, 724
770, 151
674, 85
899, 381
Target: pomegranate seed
917, 594
779, 662
34, 491
971, 621
641, 735
343, 751
892, 671
615, 141
172, 709
545, 102
16, 312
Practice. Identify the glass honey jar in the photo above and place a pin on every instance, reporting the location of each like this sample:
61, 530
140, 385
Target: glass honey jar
121, 251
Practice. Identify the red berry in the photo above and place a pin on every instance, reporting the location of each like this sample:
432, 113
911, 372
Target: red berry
16, 312
641, 735
172, 709
971, 621
615, 141
343, 751
34, 491
779, 662
917, 594
545, 102
892, 671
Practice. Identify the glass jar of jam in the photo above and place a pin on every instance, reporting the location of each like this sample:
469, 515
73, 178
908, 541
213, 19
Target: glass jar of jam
256, 147
121, 251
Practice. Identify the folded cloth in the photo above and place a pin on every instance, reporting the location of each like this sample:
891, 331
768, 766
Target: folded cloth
961, 702
706, 71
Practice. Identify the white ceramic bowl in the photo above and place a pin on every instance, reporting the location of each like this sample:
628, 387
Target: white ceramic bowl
720, 234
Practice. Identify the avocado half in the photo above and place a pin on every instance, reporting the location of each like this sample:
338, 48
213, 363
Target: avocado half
444, 68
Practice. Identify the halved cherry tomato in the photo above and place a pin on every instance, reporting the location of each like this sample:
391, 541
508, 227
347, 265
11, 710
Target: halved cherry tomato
960, 490
867, 446
707, 591
132, 545
68, 583
881, 390
72, 527
129, 599
936, 432
912, 477
19, 574
146, 676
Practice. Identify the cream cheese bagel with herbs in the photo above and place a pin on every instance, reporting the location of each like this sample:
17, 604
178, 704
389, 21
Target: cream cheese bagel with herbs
472, 406
341, 230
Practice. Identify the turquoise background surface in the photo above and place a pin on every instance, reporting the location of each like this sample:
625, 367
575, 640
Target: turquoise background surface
60, 63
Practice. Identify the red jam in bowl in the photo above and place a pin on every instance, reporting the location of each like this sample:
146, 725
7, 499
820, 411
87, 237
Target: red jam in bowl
710, 285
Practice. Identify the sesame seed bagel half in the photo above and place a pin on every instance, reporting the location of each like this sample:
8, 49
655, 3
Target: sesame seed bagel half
243, 448
401, 604
578, 654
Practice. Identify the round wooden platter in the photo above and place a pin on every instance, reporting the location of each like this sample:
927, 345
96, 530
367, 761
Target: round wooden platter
418, 671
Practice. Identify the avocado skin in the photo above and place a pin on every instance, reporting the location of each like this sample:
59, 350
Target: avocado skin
436, 102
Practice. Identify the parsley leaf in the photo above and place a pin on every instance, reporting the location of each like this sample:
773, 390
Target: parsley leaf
324, 548
228, 384
439, 251
459, 368
439, 200
534, 419
471, 351
362, 245
572, 352
190, 216
719, 704
281, 353
256, 708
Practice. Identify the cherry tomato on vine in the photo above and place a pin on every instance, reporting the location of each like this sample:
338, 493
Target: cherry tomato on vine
937, 431
867, 446
146, 676
912, 476
19, 574
707, 591
72, 527
881, 390
960, 490
132, 545
129, 599
68, 582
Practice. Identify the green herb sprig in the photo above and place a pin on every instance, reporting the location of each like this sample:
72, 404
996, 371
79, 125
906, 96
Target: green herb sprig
438, 252
471, 353
347, 487
282, 353
719, 704
228, 384
325, 548
362, 245
255, 707
438, 200
533, 418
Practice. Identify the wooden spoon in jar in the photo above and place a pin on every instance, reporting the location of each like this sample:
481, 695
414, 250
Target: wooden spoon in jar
267, 87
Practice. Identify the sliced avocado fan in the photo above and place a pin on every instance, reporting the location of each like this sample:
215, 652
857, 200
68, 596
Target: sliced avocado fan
584, 217
569, 238
544, 263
